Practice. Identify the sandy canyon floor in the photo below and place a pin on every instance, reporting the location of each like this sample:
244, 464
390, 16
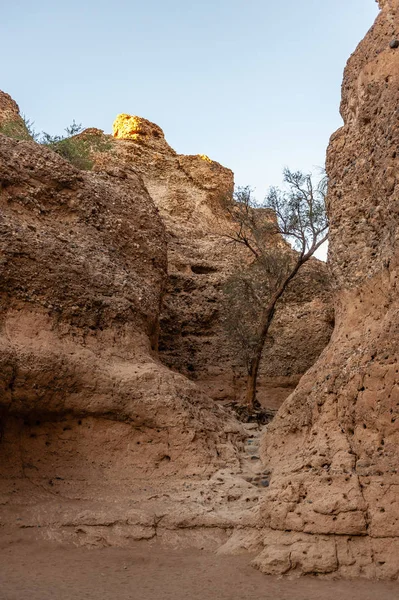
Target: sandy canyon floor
42, 571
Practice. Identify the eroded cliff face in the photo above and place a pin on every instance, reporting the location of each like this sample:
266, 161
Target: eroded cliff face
9, 110
190, 192
333, 449
86, 408
101, 443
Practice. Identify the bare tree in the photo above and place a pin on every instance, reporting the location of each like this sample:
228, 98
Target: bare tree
293, 217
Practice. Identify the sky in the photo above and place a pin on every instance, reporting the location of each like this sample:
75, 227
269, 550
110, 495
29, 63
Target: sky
254, 84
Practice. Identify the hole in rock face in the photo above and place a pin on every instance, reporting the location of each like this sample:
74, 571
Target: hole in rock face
202, 269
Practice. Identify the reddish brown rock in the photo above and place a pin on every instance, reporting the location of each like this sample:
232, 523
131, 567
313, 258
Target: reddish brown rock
333, 448
86, 408
190, 192
9, 110
100, 442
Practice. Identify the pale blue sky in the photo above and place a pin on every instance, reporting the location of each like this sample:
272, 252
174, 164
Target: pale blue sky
255, 84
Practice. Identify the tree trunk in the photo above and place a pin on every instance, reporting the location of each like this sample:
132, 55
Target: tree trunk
266, 320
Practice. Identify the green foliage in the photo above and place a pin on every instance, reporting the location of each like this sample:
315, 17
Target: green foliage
22, 130
300, 209
295, 214
77, 149
246, 292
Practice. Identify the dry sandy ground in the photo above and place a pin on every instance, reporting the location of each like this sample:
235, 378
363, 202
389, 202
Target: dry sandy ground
33, 571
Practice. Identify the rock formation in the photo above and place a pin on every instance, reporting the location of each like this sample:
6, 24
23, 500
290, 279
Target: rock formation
332, 505
9, 110
100, 442
189, 192
85, 406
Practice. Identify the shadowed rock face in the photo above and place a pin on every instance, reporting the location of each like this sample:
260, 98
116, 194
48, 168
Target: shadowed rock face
189, 192
332, 505
99, 440
76, 264
85, 406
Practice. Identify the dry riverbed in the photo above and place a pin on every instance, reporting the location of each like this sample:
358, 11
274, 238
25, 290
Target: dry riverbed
41, 571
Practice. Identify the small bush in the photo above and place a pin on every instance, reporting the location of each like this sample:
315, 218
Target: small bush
74, 150
73, 147
19, 130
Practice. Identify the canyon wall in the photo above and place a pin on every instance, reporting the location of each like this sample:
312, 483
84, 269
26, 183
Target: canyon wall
333, 449
86, 408
101, 442
190, 192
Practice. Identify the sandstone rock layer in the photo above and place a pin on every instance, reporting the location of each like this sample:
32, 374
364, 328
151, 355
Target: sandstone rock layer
101, 443
86, 408
333, 449
190, 192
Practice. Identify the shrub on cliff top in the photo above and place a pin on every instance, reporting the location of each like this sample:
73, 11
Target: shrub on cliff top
76, 149
19, 130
